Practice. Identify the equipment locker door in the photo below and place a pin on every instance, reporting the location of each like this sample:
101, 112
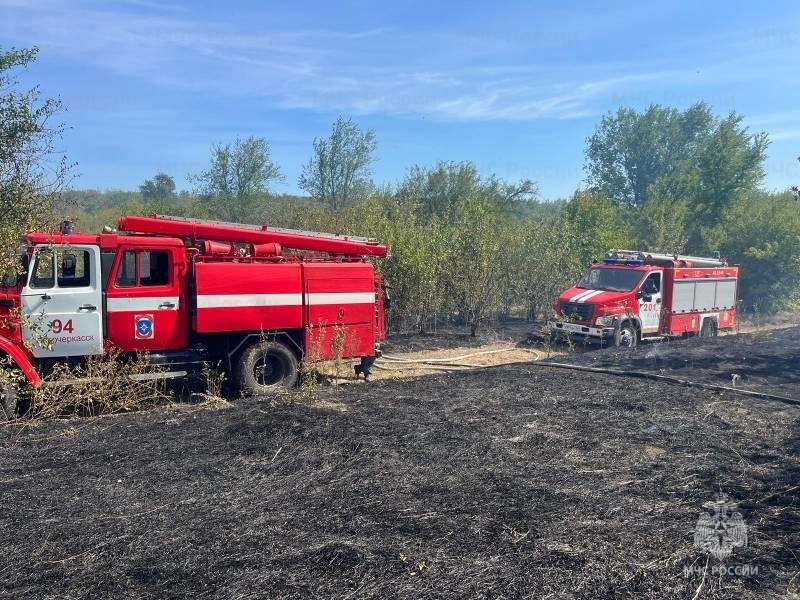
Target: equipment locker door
340, 310
62, 302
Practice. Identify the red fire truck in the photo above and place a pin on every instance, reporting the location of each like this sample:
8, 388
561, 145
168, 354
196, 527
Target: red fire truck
635, 295
189, 291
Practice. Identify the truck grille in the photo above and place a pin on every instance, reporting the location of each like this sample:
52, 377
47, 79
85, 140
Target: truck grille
576, 311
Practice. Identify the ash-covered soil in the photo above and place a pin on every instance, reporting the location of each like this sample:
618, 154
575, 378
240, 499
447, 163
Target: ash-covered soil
520, 481
765, 360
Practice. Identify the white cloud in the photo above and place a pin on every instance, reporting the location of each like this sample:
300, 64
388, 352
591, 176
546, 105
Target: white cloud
781, 126
782, 135
370, 71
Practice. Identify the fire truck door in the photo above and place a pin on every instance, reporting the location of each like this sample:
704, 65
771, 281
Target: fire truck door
145, 303
62, 302
650, 302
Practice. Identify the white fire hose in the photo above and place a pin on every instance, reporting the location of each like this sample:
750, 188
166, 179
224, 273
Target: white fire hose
448, 364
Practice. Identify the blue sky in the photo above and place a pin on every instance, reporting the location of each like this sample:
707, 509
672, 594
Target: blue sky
515, 87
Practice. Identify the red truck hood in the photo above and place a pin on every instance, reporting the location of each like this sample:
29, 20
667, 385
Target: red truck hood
604, 303
584, 296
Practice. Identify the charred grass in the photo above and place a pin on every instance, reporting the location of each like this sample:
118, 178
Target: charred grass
519, 481
764, 360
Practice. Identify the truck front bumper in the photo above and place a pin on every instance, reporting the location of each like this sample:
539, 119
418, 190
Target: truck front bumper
586, 332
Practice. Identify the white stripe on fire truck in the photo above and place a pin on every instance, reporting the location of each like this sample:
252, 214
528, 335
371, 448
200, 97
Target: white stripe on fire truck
577, 297
141, 304
590, 296
316, 298
244, 300
340, 298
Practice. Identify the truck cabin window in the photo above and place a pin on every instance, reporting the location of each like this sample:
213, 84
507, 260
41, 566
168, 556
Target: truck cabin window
73, 268
153, 268
143, 268
610, 280
43, 275
652, 284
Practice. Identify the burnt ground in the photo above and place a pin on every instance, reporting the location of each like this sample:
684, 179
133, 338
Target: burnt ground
765, 360
520, 481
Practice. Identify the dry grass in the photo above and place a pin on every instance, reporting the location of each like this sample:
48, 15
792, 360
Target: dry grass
214, 382
109, 383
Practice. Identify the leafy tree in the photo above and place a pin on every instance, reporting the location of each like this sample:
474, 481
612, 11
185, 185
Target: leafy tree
160, 188
419, 259
762, 233
511, 266
551, 263
237, 182
661, 225
629, 152
339, 172
32, 173
440, 189
691, 158
416, 268
730, 162
477, 245
730, 165
689, 154
598, 223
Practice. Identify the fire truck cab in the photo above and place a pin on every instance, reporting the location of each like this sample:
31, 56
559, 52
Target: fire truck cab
635, 295
187, 292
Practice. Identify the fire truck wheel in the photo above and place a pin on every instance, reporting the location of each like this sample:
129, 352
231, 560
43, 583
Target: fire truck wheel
9, 400
266, 367
627, 336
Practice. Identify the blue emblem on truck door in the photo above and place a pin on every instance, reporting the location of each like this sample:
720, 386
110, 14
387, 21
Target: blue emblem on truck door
143, 327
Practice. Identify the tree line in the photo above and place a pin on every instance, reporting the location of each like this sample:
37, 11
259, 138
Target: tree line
466, 247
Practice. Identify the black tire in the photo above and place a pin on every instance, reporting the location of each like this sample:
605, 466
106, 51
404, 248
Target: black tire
627, 336
9, 399
265, 368
709, 328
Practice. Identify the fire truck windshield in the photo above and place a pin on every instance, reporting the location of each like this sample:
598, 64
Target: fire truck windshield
610, 280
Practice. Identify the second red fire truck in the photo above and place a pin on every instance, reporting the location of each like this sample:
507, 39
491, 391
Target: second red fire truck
187, 291
635, 295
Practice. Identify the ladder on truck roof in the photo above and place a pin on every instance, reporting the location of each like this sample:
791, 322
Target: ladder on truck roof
225, 231
637, 256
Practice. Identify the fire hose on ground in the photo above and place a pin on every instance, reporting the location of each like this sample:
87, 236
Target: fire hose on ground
447, 364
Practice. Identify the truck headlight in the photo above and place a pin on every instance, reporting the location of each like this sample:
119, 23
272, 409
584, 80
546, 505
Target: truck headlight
607, 321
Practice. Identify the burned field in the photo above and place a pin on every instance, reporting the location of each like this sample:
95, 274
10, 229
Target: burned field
764, 361
520, 481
